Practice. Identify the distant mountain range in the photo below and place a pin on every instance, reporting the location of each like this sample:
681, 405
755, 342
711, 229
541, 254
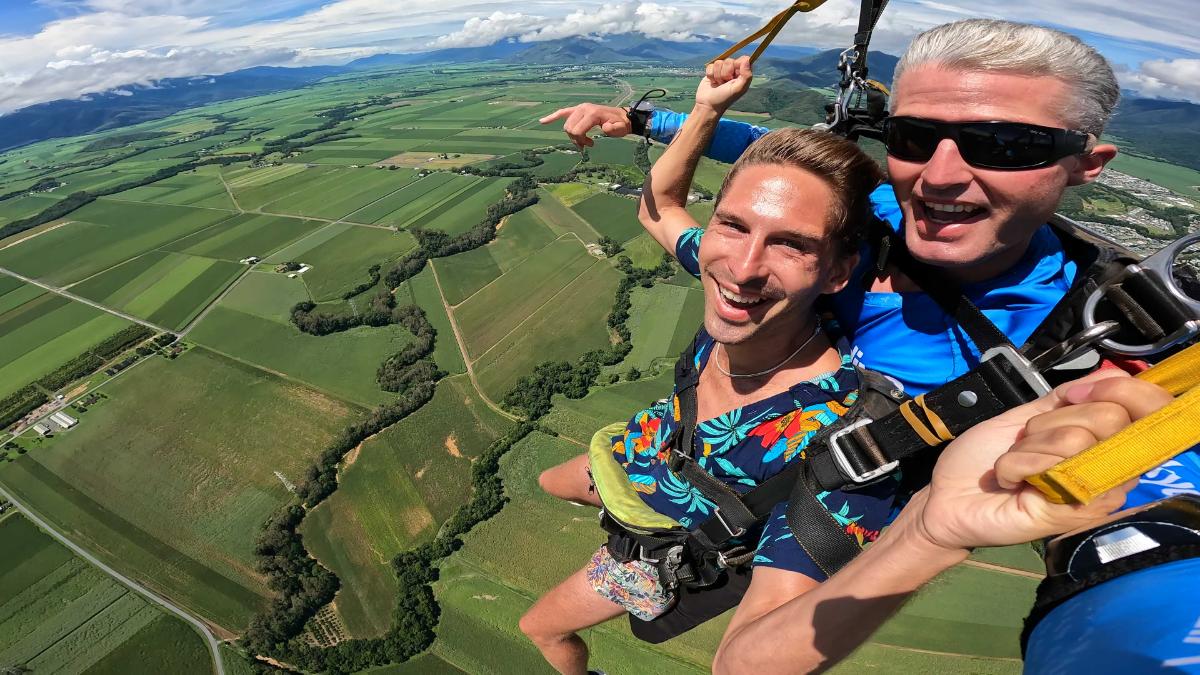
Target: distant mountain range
1167, 129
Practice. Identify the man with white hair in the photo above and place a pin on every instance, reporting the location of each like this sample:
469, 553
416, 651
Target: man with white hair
990, 122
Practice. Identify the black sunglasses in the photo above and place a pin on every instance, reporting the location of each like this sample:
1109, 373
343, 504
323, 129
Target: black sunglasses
987, 145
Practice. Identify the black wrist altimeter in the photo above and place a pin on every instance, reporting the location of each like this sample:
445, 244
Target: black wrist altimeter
639, 113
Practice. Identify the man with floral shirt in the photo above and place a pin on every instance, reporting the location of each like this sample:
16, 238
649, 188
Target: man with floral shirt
785, 233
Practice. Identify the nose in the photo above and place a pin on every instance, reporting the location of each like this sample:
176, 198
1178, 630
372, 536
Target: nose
747, 262
946, 168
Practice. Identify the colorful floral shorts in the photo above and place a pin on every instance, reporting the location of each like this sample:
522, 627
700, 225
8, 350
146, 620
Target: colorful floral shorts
633, 585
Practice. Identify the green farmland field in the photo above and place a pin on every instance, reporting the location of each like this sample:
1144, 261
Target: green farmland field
394, 492
422, 291
208, 433
45, 332
252, 324
570, 323
60, 614
611, 215
340, 263
201, 187
521, 236
1181, 179
28, 205
663, 321
167, 289
465, 210
341, 192
499, 308
612, 151
102, 234
245, 235
561, 219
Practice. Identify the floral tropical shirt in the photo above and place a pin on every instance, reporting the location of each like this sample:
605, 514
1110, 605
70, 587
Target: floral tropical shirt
744, 447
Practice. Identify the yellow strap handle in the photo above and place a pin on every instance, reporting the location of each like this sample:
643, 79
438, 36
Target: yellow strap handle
1138, 448
770, 30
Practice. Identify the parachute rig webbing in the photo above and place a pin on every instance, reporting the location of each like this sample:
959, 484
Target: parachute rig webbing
770, 30
1138, 448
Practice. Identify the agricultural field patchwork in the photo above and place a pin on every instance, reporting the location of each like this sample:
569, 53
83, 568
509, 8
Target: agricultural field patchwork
166, 289
611, 215
245, 235
252, 324
222, 440
42, 331
201, 187
102, 234
519, 237
60, 614
395, 490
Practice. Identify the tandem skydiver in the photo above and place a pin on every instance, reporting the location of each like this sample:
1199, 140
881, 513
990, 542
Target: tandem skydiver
992, 120
766, 377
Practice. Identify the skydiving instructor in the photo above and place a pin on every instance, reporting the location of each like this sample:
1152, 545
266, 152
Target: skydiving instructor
974, 207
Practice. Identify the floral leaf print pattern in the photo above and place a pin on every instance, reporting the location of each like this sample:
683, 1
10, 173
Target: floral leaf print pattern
727, 430
643, 483
684, 495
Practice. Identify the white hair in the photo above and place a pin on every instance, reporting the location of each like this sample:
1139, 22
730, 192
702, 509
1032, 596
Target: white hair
1024, 49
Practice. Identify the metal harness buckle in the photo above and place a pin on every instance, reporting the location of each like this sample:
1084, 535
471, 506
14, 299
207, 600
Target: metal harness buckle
1157, 268
733, 531
843, 463
1024, 368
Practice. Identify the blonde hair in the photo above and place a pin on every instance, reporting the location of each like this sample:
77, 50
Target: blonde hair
849, 172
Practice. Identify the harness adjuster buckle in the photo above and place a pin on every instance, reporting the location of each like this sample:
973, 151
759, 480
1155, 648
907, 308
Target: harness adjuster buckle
733, 531
734, 557
1033, 379
843, 462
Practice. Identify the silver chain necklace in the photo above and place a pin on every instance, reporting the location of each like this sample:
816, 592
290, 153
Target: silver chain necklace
768, 371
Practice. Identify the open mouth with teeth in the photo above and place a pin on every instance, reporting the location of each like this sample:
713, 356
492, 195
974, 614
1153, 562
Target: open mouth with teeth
945, 214
739, 301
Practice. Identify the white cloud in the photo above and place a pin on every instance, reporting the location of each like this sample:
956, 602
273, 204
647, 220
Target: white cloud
101, 41
1176, 79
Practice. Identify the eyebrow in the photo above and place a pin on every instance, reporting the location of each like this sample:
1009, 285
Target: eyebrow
801, 237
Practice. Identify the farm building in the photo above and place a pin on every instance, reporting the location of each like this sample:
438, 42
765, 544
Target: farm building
41, 429
64, 420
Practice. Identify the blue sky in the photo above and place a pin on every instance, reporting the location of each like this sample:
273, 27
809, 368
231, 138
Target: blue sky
52, 49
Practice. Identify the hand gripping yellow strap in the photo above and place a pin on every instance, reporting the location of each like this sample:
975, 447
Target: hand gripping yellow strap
770, 30
1138, 448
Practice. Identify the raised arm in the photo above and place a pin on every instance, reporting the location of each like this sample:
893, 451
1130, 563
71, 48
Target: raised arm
664, 195
977, 497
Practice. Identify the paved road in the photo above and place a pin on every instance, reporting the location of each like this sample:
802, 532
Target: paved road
213, 645
67, 294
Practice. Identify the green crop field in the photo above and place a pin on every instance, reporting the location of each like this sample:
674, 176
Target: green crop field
413, 199
570, 323
395, 491
340, 263
260, 188
60, 614
102, 234
611, 215
465, 210
612, 151
579, 419
201, 187
44, 332
1180, 179
422, 290
28, 205
167, 289
339, 193
245, 235
251, 323
170, 480
521, 235
499, 308
561, 219
663, 320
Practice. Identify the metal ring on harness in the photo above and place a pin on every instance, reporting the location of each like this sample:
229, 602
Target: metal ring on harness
1157, 269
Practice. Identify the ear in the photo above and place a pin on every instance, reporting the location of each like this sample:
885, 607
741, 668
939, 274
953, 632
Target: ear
839, 273
1088, 167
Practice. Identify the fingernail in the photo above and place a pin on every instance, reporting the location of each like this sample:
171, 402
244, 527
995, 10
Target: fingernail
1080, 392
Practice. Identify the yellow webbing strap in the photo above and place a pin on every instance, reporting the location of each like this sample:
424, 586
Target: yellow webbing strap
1138, 448
770, 30
612, 484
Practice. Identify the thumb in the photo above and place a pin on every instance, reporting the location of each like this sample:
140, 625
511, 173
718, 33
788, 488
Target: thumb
745, 70
1058, 397
610, 126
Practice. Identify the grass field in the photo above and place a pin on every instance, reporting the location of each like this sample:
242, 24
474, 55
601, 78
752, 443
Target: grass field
170, 480
521, 236
611, 215
340, 255
60, 614
252, 324
341, 192
1180, 179
245, 235
562, 220
422, 290
45, 331
395, 492
201, 187
570, 323
612, 151
102, 234
166, 289
499, 308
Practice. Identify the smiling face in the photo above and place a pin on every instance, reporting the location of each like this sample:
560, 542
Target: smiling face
976, 223
767, 255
